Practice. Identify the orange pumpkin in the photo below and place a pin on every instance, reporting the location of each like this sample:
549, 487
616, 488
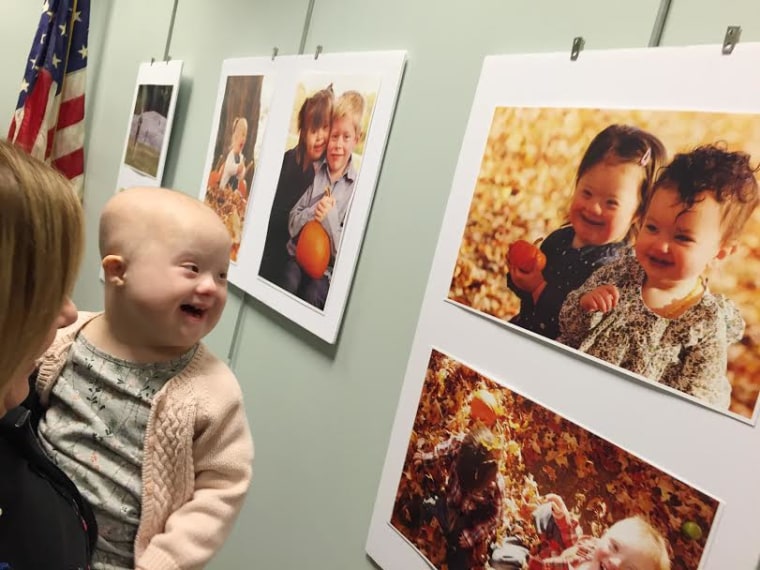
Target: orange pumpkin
213, 179
313, 249
484, 407
526, 256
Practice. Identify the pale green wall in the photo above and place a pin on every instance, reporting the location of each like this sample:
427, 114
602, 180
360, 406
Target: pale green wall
321, 416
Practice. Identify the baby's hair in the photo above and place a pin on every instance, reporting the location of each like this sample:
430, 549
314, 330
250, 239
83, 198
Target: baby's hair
315, 112
239, 122
478, 461
728, 176
657, 547
350, 104
626, 144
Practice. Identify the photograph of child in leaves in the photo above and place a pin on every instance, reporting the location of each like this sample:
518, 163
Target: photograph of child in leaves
320, 167
494, 481
229, 181
587, 224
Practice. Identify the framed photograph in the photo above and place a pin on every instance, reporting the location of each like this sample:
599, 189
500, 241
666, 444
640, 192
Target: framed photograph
329, 126
492, 479
150, 124
682, 122
240, 118
574, 194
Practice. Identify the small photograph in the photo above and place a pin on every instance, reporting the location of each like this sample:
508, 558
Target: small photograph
495, 481
628, 235
148, 128
236, 145
328, 129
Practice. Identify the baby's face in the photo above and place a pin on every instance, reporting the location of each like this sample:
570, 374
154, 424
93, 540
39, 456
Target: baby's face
177, 283
623, 547
676, 245
343, 139
239, 139
604, 203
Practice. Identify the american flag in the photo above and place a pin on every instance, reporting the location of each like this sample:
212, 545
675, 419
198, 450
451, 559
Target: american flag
49, 119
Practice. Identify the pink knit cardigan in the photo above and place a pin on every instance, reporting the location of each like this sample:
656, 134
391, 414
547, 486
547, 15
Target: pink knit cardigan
197, 458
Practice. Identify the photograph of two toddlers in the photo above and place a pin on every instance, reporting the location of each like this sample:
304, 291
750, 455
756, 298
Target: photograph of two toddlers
628, 235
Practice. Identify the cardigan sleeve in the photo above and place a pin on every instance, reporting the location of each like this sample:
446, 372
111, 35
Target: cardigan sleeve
222, 455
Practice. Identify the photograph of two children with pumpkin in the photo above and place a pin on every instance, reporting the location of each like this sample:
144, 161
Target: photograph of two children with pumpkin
628, 235
320, 167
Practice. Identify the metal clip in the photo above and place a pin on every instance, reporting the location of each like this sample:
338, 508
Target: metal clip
275, 51
732, 38
316, 53
578, 44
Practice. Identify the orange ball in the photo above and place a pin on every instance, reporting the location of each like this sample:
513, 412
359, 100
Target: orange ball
313, 249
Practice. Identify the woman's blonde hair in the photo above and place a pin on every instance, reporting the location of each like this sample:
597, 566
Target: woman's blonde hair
41, 244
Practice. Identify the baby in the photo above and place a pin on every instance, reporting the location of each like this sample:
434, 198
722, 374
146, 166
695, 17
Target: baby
653, 314
140, 415
630, 543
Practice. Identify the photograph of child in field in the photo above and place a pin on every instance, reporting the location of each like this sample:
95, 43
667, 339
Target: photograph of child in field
628, 235
320, 168
148, 128
495, 481
238, 133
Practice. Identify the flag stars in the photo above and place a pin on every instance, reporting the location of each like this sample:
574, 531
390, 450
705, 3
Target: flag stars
78, 16
83, 52
62, 27
46, 7
24, 85
42, 39
55, 60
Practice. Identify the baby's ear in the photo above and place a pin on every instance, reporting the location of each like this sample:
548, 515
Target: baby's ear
114, 268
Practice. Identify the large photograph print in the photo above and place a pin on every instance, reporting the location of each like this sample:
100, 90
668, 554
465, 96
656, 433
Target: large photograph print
321, 165
495, 481
629, 235
329, 124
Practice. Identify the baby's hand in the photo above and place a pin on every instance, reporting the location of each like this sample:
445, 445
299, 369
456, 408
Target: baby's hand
326, 204
529, 281
604, 298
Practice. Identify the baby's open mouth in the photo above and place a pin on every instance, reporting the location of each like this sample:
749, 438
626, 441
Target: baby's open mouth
656, 261
598, 223
192, 310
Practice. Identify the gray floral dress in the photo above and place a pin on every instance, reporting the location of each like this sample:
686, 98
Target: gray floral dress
94, 431
688, 353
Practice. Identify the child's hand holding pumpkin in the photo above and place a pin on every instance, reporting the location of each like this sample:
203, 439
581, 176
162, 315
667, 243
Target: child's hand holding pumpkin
526, 262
